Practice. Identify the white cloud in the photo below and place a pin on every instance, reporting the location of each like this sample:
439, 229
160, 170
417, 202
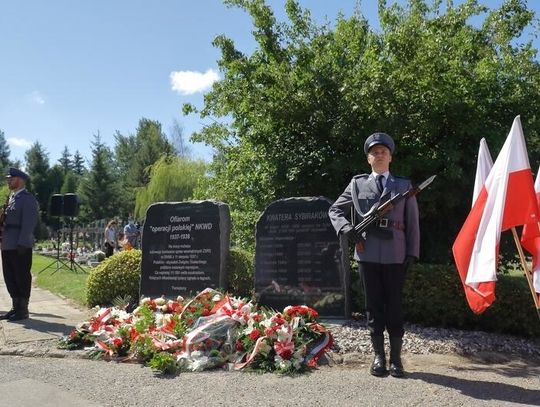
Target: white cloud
190, 82
19, 142
36, 97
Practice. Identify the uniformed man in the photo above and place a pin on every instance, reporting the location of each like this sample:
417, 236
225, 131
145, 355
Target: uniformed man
385, 251
21, 215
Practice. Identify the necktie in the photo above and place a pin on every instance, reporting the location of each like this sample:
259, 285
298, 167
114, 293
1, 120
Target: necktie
380, 186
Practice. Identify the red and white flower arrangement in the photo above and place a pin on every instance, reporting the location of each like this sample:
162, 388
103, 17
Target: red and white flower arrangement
211, 330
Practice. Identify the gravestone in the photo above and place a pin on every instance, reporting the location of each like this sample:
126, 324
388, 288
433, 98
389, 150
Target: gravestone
299, 259
184, 248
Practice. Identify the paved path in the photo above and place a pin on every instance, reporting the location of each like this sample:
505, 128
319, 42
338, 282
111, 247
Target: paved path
442, 380
50, 317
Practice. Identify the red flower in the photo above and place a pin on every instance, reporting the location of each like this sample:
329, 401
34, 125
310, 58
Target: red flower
239, 346
255, 334
117, 342
205, 312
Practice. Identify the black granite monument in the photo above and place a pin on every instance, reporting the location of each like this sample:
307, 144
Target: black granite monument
184, 248
299, 259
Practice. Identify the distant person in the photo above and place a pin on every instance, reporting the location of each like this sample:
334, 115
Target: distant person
19, 220
110, 238
131, 234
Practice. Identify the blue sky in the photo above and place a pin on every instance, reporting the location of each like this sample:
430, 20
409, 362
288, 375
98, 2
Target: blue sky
69, 69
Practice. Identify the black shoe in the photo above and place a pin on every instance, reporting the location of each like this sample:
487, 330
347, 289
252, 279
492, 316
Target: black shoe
8, 314
396, 367
21, 310
378, 367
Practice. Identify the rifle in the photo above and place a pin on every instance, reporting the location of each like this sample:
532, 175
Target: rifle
378, 210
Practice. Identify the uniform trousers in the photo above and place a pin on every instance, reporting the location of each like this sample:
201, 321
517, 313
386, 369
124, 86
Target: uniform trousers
17, 274
383, 288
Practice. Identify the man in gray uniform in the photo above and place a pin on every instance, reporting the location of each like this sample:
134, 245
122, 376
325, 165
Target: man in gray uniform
20, 218
385, 251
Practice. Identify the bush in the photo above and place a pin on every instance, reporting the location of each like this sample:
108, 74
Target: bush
117, 276
434, 296
240, 272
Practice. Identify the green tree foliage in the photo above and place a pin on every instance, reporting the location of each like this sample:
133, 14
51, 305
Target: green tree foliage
78, 164
65, 160
172, 179
98, 188
4, 153
37, 167
70, 184
55, 179
297, 110
135, 154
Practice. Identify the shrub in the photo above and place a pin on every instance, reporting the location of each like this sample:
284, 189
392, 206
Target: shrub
240, 272
434, 296
117, 276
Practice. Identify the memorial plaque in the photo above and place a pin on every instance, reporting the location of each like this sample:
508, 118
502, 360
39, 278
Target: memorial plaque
184, 248
299, 258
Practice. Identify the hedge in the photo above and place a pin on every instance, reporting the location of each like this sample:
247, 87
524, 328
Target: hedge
434, 296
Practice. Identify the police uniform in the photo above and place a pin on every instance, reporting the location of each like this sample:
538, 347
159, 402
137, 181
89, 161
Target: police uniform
388, 247
21, 215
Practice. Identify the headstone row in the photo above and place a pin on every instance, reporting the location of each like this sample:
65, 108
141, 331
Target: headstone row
298, 257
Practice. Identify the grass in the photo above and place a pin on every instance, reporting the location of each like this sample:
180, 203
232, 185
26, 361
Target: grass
64, 282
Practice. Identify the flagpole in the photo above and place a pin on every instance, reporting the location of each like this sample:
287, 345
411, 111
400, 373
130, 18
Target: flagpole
528, 272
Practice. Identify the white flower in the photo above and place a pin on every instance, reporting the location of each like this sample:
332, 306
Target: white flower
160, 301
179, 298
283, 334
217, 297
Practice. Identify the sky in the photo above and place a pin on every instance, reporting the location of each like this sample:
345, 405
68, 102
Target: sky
71, 69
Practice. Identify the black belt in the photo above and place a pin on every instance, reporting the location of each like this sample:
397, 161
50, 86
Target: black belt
387, 223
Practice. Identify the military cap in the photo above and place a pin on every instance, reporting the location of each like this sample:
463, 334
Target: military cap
379, 138
15, 172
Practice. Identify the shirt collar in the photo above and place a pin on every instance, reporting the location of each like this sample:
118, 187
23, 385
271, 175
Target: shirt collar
17, 192
385, 174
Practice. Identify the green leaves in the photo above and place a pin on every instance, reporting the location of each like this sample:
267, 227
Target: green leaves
295, 112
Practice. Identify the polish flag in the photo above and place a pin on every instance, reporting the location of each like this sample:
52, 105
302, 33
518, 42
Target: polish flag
531, 242
483, 167
507, 199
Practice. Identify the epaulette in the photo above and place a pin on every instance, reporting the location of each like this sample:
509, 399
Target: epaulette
360, 176
400, 177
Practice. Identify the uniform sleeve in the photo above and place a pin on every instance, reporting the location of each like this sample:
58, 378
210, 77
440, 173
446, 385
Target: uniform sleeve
339, 209
29, 221
412, 230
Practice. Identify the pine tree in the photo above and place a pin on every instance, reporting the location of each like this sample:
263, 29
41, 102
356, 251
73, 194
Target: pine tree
65, 160
98, 189
37, 167
4, 153
78, 164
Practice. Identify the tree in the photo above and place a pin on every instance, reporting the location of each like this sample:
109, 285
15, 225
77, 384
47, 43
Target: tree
297, 110
65, 160
98, 189
37, 167
70, 184
4, 153
151, 144
172, 179
78, 164
135, 154
176, 137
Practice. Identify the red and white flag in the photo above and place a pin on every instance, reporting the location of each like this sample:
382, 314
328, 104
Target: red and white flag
507, 199
530, 240
483, 167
